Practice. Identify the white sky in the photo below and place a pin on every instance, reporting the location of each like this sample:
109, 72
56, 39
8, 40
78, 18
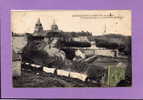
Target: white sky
24, 21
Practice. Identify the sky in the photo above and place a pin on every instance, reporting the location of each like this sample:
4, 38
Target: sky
98, 22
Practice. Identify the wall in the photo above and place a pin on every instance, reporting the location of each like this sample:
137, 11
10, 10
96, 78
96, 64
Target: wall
18, 42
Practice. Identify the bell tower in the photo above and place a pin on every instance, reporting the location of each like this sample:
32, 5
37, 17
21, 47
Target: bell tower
54, 27
38, 27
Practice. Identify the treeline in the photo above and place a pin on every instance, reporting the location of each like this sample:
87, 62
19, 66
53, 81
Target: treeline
82, 33
70, 35
16, 34
114, 41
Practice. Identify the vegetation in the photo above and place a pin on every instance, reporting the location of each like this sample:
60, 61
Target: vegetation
114, 75
114, 41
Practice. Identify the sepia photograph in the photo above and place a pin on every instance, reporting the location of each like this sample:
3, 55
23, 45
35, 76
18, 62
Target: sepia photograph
71, 48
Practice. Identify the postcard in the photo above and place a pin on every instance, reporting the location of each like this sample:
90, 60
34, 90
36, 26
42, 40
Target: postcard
69, 48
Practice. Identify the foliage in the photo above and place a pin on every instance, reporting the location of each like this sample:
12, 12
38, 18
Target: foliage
114, 41
114, 75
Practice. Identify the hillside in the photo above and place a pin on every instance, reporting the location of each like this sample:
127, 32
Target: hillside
114, 41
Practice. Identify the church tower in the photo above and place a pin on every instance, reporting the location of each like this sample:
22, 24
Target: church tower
54, 27
38, 27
